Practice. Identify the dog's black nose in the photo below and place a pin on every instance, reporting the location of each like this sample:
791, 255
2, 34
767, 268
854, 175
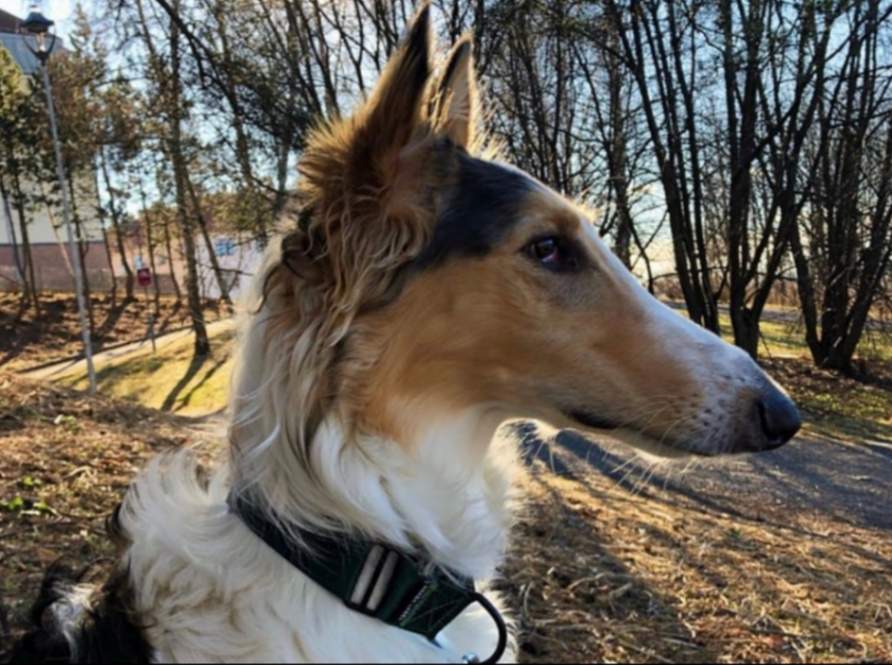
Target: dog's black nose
779, 418
774, 420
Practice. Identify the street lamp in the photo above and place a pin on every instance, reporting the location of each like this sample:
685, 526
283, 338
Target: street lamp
40, 30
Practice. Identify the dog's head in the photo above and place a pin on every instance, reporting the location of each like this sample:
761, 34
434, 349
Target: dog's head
425, 279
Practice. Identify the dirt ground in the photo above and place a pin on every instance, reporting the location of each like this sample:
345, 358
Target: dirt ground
28, 340
784, 556
611, 559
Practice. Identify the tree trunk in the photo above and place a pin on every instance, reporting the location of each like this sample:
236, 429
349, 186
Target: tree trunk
150, 248
242, 146
691, 262
209, 245
168, 245
100, 211
617, 156
83, 248
129, 281
202, 344
27, 257
14, 245
113, 291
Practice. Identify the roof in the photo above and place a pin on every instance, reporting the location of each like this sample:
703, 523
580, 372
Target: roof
17, 47
8, 22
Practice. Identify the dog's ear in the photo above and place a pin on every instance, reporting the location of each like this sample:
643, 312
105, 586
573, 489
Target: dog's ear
393, 112
369, 166
457, 103
367, 185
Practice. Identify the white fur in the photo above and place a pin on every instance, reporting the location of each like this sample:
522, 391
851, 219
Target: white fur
209, 590
70, 613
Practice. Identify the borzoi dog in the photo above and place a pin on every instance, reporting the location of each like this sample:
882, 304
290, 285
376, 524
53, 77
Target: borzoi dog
424, 294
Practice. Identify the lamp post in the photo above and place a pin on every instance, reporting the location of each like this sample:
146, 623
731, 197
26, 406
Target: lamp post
39, 28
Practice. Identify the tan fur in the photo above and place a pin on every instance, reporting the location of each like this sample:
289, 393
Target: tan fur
353, 336
370, 386
499, 329
365, 207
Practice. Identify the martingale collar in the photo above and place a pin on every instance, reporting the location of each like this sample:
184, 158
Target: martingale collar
375, 579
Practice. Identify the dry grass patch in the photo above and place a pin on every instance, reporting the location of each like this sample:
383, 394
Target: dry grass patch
67, 460
172, 379
599, 574
595, 572
28, 339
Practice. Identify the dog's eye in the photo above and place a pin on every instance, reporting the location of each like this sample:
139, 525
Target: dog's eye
552, 253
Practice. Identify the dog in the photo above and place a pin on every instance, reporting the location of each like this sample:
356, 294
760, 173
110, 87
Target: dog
425, 294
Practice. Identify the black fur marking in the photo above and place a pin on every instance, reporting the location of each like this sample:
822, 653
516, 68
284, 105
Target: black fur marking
105, 634
486, 202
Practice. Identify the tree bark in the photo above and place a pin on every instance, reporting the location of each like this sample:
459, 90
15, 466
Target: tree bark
150, 248
175, 112
129, 279
83, 248
168, 245
100, 211
27, 256
209, 245
27, 290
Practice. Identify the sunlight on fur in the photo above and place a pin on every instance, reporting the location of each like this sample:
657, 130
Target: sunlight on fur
424, 294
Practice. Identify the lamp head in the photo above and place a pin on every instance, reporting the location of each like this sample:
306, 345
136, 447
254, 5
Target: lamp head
39, 27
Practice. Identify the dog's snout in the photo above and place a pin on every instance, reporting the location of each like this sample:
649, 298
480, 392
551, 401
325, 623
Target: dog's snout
778, 417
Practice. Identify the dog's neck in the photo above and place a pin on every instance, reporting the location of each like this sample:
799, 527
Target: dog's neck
446, 493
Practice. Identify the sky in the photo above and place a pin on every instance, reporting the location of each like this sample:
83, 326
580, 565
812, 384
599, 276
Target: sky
59, 11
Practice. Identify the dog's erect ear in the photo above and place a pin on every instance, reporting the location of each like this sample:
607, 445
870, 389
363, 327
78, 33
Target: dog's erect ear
367, 165
366, 183
394, 108
457, 102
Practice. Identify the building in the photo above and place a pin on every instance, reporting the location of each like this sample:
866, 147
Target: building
46, 230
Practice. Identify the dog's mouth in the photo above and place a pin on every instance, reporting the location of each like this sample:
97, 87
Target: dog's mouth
633, 437
590, 421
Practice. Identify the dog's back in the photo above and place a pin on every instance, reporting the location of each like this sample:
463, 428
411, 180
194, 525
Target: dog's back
79, 623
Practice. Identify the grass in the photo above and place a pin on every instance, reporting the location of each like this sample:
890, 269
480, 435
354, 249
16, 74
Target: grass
602, 574
29, 339
596, 571
67, 460
171, 379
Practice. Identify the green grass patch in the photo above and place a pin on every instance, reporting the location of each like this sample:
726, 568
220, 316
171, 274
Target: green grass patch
172, 379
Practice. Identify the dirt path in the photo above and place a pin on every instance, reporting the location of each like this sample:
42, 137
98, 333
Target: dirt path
29, 339
99, 359
851, 484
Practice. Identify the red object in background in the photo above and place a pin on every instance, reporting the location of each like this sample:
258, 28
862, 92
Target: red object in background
144, 276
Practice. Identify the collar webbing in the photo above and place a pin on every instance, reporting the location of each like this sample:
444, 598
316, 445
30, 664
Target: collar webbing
372, 578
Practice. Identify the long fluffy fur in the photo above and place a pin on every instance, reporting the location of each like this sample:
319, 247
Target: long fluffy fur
202, 587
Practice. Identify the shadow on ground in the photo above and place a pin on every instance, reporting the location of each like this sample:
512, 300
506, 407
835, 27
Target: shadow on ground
766, 557
851, 483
